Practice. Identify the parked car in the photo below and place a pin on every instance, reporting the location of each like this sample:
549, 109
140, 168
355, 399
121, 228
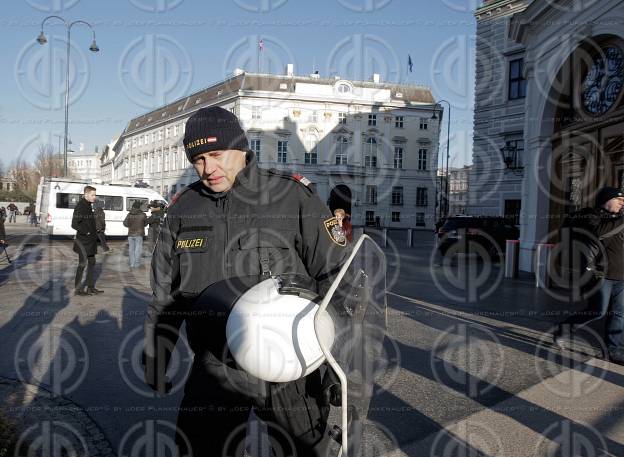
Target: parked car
489, 232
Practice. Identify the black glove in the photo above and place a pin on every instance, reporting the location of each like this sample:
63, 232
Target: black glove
331, 389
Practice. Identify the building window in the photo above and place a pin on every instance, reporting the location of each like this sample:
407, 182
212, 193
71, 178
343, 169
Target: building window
134, 142
371, 195
420, 219
342, 118
158, 163
160, 133
175, 130
282, 151
255, 147
398, 122
519, 145
517, 83
424, 123
397, 195
167, 132
421, 196
370, 217
398, 157
342, 147
372, 120
370, 153
174, 162
174, 188
166, 164
256, 113
310, 155
396, 216
153, 136
313, 117
422, 159
152, 163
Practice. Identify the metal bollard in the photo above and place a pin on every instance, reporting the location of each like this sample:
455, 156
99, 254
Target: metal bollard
385, 238
542, 265
512, 251
409, 238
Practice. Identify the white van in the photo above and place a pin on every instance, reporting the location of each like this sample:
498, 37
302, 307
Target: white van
57, 198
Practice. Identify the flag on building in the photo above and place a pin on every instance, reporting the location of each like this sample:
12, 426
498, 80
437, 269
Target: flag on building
409, 63
261, 44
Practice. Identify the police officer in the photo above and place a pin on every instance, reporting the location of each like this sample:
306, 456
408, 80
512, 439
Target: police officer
237, 221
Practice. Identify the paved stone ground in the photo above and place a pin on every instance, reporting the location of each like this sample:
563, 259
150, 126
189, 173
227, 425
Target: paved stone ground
468, 365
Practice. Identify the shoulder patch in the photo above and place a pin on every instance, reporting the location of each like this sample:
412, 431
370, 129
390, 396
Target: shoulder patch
302, 179
335, 231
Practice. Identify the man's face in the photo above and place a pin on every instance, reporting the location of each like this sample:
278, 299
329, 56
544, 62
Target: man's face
615, 205
90, 196
218, 169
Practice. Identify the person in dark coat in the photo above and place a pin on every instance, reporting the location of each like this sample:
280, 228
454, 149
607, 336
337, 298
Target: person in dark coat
605, 221
100, 225
136, 220
237, 221
85, 243
154, 220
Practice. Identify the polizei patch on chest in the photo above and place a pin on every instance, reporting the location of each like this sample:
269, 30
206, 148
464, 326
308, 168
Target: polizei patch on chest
335, 231
191, 243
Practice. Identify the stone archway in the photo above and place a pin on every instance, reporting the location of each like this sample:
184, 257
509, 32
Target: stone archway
340, 197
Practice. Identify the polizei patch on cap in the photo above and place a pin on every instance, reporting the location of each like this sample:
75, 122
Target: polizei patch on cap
200, 141
335, 231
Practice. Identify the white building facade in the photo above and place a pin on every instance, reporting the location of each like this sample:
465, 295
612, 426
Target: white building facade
368, 147
560, 104
84, 166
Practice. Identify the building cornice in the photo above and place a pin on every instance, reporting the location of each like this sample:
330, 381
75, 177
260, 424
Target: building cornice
500, 8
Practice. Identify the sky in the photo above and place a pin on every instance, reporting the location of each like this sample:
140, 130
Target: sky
155, 51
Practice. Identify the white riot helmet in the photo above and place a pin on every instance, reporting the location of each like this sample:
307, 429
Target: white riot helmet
270, 331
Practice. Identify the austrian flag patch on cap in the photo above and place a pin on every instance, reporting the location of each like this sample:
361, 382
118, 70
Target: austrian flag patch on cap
302, 179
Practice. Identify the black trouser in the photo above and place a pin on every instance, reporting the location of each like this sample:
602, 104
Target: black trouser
102, 239
89, 262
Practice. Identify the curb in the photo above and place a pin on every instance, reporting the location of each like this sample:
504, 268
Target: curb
42, 417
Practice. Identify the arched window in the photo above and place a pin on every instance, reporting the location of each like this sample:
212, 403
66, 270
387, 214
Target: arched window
311, 153
342, 147
370, 152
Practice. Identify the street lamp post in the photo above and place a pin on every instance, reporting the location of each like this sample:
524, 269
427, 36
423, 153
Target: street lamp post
41, 39
448, 155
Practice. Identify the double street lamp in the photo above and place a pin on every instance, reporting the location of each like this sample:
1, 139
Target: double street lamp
41, 39
448, 156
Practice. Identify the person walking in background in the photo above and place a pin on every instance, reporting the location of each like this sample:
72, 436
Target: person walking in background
32, 216
100, 225
85, 243
136, 220
158, 212
12, 212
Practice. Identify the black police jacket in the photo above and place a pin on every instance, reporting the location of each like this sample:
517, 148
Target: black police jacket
268, 222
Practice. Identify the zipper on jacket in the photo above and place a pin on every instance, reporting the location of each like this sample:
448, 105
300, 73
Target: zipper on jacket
226, 210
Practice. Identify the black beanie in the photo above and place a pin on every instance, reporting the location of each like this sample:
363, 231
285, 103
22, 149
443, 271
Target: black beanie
213, 129
607, 193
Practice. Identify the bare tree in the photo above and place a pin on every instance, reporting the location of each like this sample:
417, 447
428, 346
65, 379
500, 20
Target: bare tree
48, 163
26, 178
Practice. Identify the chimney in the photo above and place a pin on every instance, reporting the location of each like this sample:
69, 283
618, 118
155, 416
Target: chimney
376, 78
290, 69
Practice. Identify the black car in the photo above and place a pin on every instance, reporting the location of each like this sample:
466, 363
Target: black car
462, 233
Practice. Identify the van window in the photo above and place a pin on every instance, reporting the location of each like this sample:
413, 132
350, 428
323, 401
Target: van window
144, 202
67, 201
111, 202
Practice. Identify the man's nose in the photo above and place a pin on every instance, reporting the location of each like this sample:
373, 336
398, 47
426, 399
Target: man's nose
210, 166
